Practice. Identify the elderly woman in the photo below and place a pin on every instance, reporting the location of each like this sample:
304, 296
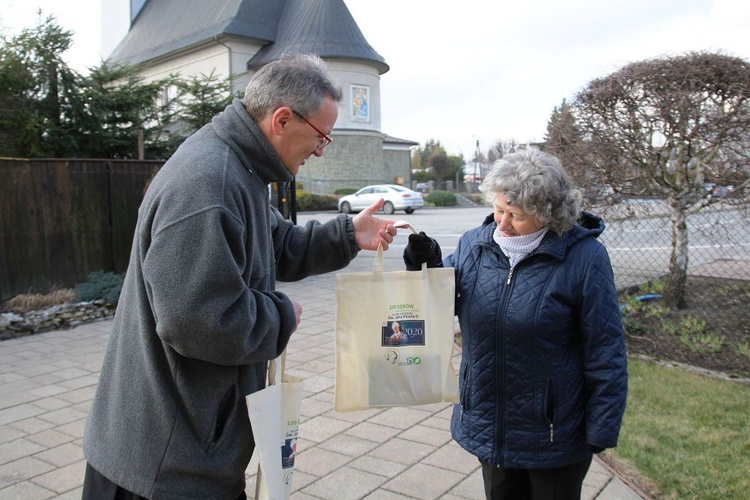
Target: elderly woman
543, 376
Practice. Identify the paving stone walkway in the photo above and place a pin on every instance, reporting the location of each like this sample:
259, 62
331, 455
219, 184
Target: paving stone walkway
47, 382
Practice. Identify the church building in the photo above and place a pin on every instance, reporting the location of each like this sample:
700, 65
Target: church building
237, 37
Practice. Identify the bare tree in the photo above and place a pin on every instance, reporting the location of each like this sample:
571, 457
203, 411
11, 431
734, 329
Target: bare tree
670, 128
496, 151
499, 149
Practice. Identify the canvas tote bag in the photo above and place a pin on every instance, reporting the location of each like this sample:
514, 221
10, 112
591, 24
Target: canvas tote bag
394, 338
274, 415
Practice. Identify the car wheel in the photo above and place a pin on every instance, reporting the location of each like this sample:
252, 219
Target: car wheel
346, 208
409, 210
388, 207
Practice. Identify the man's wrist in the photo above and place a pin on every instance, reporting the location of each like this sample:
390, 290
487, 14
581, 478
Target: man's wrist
351, 235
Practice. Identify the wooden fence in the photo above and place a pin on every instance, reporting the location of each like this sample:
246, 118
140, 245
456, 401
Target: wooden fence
61, 219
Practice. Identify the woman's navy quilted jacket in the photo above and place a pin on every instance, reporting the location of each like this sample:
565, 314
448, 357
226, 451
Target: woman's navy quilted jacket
543, 377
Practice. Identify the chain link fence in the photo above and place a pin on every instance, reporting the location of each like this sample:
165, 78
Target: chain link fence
712, 331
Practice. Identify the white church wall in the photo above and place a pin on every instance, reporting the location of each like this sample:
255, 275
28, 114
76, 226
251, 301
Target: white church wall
360, 107
205, 60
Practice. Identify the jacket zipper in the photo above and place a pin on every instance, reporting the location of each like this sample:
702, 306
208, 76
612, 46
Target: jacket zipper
551, 423
463, 395
549, 410
499, 364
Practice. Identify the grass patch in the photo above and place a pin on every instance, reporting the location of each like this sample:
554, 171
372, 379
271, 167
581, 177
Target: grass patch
24, 303
689, 434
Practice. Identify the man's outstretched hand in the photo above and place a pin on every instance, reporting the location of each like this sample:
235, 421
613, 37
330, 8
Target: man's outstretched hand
371, 231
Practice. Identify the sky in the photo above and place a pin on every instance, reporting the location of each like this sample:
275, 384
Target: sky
480, 70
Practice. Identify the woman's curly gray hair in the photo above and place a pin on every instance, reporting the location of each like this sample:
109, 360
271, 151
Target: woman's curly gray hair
537, 183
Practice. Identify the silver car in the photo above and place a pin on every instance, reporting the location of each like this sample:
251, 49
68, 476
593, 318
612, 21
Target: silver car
396, 198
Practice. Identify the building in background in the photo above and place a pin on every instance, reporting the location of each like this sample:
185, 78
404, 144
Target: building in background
237, 37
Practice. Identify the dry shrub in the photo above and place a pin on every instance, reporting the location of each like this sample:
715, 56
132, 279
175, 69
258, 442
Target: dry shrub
24, 303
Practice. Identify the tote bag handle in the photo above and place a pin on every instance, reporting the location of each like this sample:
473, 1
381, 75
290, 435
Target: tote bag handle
275, 371
379, 265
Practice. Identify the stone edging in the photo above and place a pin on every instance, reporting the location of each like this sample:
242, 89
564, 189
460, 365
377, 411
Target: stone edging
53, 318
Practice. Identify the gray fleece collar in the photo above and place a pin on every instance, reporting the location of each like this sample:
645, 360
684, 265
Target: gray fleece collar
235, 127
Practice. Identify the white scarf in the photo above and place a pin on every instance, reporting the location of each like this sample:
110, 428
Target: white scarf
518, 247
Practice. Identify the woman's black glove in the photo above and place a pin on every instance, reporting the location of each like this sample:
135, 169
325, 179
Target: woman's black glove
422, 248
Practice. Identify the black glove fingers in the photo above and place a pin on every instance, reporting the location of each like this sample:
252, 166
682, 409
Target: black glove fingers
421, 248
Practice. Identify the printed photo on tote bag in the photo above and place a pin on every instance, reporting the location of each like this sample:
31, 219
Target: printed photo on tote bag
394, 338
274, 415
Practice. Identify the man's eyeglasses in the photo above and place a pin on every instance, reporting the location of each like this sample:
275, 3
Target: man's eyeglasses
324, 139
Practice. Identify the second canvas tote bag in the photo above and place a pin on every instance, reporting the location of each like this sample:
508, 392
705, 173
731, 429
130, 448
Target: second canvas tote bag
274, 415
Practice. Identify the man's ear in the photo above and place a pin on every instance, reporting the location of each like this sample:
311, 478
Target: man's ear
280, 120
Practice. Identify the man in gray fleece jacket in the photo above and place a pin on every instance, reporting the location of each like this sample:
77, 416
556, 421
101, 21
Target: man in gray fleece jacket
199, 316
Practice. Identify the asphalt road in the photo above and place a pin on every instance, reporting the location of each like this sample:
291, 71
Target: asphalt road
446, 225
640, 248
